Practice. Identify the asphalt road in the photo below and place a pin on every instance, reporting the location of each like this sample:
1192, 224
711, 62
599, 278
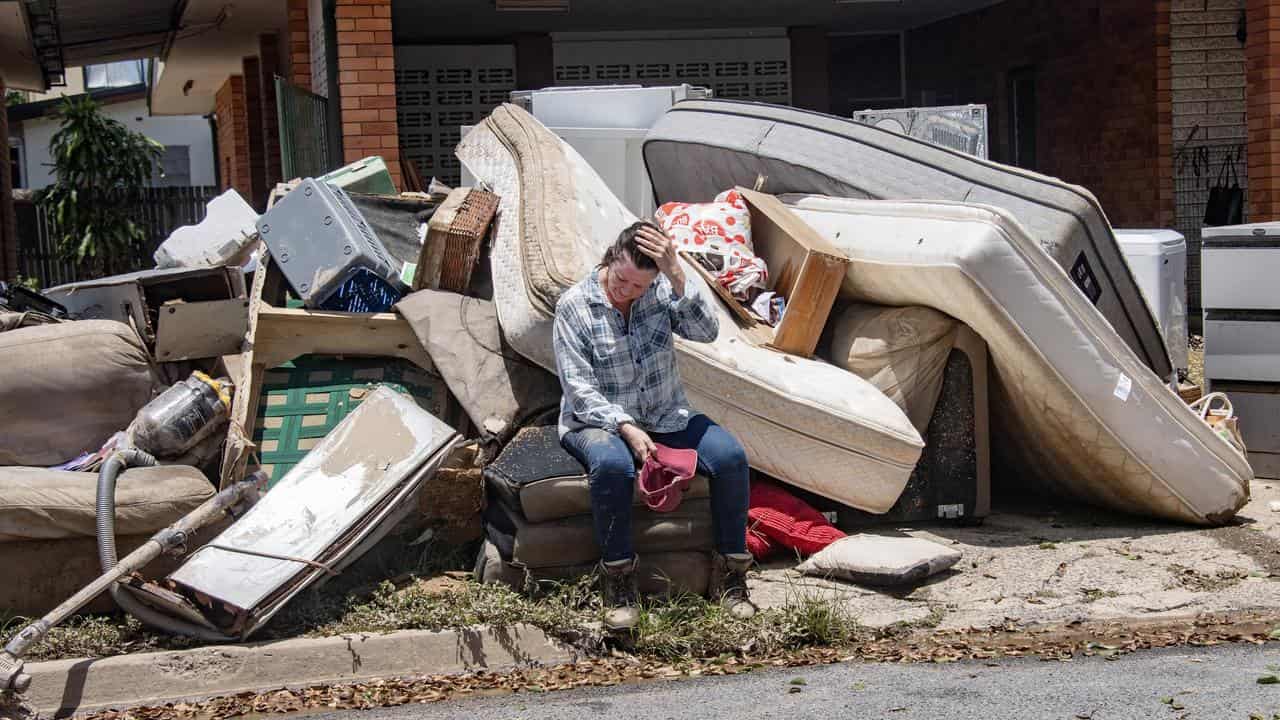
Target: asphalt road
1212, 683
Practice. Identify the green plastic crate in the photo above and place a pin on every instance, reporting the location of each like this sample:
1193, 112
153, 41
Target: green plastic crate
303, 400
368, 176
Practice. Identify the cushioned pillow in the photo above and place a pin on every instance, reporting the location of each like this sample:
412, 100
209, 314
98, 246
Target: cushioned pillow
66, 388
879, 560
40, 504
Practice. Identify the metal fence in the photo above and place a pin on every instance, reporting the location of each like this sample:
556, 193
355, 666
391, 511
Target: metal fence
304, 131
163, 210
1192, 181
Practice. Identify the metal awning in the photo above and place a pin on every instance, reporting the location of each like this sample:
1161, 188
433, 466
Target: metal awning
70, 33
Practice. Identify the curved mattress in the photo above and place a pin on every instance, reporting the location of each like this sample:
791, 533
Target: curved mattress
1072, 404
802, 421
699, 148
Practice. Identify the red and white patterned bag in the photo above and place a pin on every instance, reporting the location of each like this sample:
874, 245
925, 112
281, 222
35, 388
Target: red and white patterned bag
720, 232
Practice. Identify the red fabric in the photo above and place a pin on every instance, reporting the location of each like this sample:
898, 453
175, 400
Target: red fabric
665, 476
787, 520
758, 544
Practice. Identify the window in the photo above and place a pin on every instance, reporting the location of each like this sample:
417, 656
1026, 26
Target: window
174, 168
15, 162
115, 75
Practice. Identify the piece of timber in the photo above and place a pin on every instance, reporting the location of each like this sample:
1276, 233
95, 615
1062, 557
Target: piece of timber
286, 333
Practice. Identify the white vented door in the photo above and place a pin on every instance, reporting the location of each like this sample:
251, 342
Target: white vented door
439, 89
747, 68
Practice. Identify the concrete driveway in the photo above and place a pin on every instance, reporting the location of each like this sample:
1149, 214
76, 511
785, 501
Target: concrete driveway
1040, 567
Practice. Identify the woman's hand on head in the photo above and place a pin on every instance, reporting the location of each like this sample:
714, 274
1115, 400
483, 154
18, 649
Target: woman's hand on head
655, 243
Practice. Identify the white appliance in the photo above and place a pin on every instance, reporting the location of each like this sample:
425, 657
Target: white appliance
607, 106
607, 126
1242, 345
1239, 267
1240, 292
959, 127
1158, 260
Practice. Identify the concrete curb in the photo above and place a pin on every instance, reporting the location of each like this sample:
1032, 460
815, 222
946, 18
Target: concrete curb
61, 688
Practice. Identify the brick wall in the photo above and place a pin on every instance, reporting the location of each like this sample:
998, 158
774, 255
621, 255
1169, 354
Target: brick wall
1097, 90
1262, 54
1208, 110
299, 44
233, 137
367, 83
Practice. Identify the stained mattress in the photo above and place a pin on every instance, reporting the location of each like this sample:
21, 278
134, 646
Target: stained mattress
699, 148
1071, 402
805, 422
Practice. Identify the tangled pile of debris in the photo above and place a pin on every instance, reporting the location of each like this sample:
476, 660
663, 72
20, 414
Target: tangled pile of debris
283, 390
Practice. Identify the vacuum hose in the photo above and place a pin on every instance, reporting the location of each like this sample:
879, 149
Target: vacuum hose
106, 525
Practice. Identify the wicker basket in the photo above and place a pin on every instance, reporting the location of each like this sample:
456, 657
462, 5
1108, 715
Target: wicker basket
455, 237
452, 499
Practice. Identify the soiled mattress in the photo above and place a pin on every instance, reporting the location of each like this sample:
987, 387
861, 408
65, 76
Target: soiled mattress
803, 421
1071, 402
701, 147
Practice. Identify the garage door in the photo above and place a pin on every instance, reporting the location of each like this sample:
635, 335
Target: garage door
748, 68
440, 88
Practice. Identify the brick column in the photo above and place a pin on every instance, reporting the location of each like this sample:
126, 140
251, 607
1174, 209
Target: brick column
233, 137
8, 218
1262, 56
252, 69
269, 56
810, 68
367, 82
299, 44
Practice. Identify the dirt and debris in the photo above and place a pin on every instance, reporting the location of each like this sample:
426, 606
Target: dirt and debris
1107, 640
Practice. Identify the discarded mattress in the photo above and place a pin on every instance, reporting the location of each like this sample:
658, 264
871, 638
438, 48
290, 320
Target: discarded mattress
903, 351
1071, 403
343, 497
66, 388
538, 478
701, 147
571, 541
803, 421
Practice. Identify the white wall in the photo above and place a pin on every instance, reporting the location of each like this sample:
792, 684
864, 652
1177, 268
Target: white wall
190, 130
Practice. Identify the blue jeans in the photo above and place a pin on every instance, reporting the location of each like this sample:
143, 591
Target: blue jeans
611, 469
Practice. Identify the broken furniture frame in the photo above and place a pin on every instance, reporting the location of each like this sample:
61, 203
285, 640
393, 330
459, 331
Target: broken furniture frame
277, 335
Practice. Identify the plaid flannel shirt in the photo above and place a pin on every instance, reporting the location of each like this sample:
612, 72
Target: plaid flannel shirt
613, 374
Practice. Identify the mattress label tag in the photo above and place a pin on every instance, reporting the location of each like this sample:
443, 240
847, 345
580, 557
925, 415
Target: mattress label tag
1082, 275
1123, 387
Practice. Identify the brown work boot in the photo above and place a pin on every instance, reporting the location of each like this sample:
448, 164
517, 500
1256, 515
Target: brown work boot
621, 596
729, 584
